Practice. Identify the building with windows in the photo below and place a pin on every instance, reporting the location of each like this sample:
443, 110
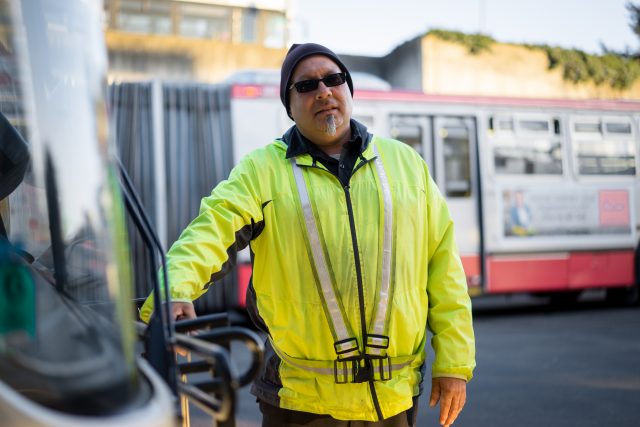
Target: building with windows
208, 40
202, 40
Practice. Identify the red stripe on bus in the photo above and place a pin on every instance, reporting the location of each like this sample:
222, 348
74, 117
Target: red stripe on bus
606, 269
573, 271
581, 104
254, 91
530, 273
271, 91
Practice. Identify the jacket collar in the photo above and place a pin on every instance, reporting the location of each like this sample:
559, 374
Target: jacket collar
298, 145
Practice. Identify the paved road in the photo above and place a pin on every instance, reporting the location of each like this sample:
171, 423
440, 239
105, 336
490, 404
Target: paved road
539, 365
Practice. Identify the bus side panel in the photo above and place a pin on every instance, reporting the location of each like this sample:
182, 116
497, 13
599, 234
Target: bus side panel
601, 269
527, 273
561, 271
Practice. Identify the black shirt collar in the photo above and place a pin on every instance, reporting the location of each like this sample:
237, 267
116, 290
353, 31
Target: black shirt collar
297, 144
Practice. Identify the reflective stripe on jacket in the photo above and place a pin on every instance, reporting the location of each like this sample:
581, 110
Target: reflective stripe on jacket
260, 204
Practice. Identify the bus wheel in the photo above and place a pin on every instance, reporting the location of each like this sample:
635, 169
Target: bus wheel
624, 296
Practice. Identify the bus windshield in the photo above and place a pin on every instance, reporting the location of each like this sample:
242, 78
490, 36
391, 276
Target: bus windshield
66, 321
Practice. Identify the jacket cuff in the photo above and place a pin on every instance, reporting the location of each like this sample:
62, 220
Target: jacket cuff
443, 375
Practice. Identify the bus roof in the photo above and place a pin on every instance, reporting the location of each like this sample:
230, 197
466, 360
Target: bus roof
271, 91
588, 104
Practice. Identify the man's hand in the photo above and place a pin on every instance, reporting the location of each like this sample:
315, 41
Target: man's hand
183, 310
452, 394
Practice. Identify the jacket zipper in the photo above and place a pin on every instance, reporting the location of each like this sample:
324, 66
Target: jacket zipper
356, 255
363, 323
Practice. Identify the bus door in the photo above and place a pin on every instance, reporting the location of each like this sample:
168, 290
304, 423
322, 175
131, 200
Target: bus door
454, 153
415, 131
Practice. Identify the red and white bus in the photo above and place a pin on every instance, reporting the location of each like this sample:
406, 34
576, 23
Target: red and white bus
544, 193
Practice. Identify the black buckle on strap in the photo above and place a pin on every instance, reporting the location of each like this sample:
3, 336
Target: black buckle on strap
376, 341
345, 346
362, 369
344, 371
364, 373
381, 368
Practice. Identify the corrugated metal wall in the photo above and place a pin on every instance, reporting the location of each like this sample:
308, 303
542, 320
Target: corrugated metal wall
173, 171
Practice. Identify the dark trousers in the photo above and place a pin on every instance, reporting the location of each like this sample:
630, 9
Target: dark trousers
277, 417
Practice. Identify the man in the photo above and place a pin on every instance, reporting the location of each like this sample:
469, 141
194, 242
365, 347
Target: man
353, 254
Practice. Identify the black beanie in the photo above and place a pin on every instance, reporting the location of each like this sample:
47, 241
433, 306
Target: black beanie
297, 53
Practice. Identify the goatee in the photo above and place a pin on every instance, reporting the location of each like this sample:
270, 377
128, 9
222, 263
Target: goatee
331, 125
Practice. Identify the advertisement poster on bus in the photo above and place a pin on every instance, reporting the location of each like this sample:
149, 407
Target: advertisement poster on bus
568, 211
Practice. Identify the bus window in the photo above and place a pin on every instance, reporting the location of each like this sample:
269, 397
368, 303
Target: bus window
618, 128
587, 127
533, 147
534, 125
409, 134
528, 156
455, 147
365, 120
505, 124
606, 157
501, 124
604, 147
415, 131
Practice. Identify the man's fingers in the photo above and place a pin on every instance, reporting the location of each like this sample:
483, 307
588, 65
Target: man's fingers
452, 394
454, 411
183, 310
435, 393
446, 402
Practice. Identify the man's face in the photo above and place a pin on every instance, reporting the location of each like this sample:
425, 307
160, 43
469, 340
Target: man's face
322, 115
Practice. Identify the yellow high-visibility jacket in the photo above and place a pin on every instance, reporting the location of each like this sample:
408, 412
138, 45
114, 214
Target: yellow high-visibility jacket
259, 204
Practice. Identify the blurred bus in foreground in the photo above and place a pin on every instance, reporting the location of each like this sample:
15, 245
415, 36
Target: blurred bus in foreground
68, 350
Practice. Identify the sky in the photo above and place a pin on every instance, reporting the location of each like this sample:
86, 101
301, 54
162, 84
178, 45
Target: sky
374, 27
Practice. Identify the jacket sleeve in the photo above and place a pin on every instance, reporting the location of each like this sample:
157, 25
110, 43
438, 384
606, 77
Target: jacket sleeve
449, 317
228, 219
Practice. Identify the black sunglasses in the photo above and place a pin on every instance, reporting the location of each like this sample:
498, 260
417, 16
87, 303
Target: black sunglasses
331, 80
